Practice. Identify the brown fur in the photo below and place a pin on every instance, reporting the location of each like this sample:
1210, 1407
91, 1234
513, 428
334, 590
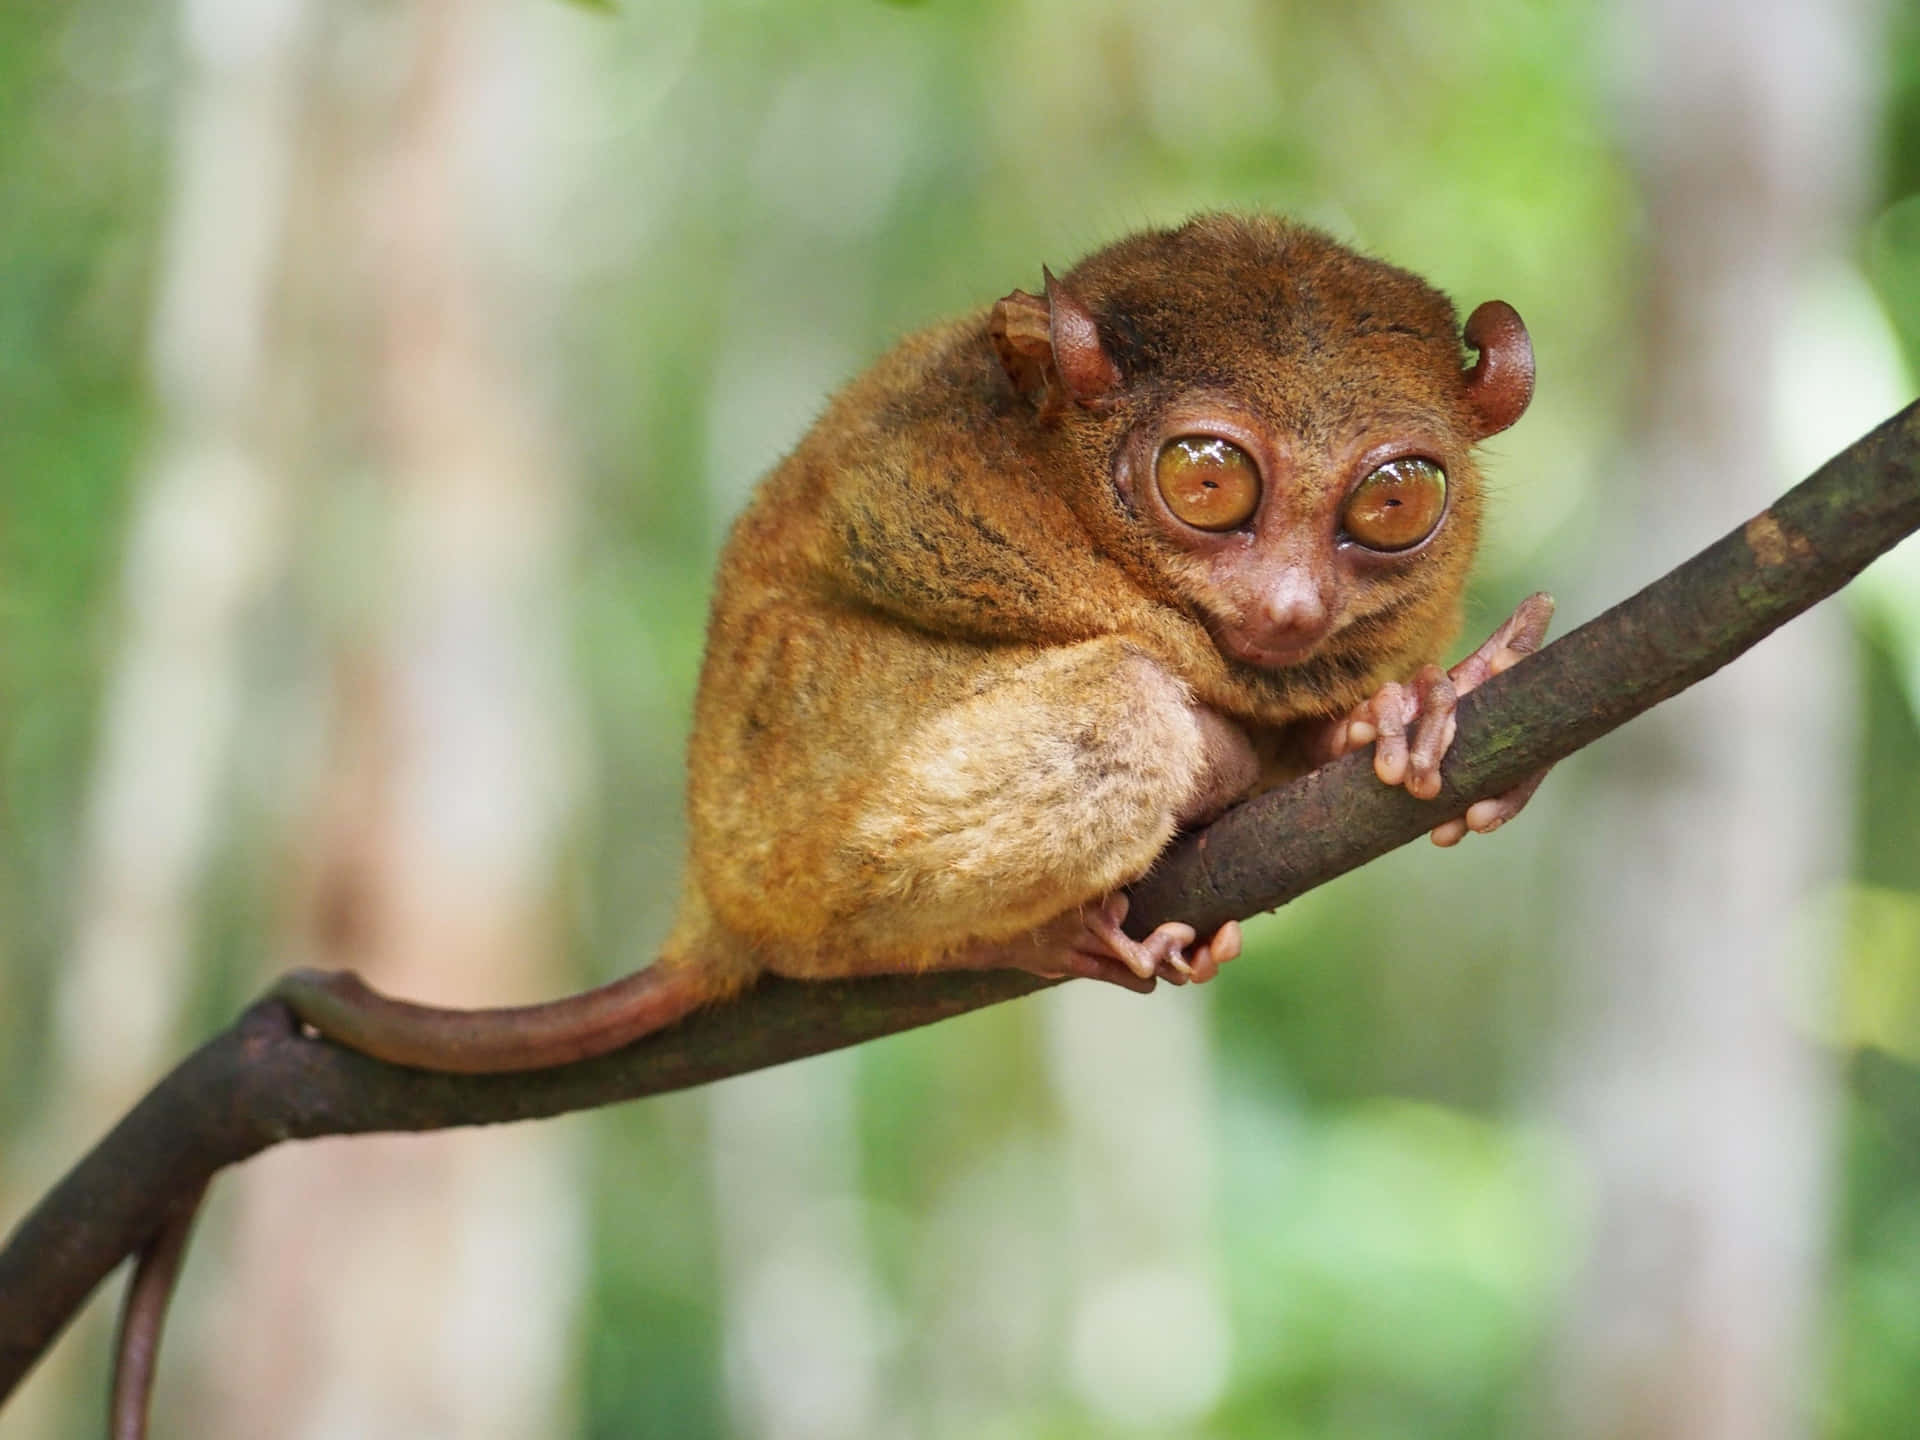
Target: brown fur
953, 673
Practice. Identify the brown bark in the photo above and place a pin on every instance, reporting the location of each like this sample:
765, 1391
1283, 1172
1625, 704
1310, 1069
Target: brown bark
260, 1082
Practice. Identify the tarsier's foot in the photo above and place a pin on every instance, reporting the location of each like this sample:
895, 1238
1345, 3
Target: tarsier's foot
1410, 726
1103, 951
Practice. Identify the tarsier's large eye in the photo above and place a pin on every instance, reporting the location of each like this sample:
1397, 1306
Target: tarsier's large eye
1397, 506
1207, 482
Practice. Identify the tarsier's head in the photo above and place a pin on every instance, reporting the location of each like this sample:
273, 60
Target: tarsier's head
1271, 430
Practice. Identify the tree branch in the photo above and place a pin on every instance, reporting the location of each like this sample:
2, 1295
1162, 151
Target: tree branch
261, 1082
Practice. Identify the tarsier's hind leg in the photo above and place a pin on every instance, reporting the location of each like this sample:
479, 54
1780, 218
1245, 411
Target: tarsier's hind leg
1016, 815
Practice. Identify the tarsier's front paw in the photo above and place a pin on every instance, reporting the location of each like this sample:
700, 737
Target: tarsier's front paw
1104, 951
1410, 726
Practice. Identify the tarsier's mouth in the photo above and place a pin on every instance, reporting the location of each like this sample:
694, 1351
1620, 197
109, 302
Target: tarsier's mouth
1264, 657
1325, 668
1238, 642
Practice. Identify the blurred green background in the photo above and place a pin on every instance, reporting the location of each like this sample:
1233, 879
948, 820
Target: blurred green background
376, 383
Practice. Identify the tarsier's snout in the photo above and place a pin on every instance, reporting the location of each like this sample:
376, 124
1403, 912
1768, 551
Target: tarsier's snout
1294, 615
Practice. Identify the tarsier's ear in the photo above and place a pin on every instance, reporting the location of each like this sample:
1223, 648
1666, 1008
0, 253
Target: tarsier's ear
1500, 381
1051, 349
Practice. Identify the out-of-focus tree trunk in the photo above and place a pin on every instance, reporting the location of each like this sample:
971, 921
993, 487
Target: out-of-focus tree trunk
204, 539
1148, 1338
804, 1330
1702, 1105
397, 1286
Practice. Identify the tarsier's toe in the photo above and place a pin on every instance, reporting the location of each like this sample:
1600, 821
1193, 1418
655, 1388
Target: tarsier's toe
1104, 951
1208, 958
1184, 963
1166, 947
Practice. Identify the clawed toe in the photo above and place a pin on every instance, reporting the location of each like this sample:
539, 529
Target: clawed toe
1163, 954
1209, 957
1104, 951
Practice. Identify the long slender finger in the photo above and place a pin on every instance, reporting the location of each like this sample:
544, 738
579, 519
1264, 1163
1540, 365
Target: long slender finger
1339, 737
1392, 708
1518, 637
1332, 739
1433, 731
1483, 817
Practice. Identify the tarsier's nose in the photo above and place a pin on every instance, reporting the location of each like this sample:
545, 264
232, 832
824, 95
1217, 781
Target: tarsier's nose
1296, 610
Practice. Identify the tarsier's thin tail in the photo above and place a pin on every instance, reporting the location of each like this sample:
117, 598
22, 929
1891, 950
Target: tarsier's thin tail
349, 1012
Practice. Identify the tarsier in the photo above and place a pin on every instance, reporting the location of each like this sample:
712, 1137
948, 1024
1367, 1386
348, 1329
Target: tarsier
1044, 586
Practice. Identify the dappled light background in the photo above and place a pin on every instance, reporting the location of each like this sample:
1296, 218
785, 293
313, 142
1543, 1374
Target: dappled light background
377, 382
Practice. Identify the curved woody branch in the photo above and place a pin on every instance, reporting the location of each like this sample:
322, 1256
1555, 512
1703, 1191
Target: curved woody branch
261, 1082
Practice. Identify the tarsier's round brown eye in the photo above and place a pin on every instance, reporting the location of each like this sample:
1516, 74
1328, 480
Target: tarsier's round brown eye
1207, 482
1397, 506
